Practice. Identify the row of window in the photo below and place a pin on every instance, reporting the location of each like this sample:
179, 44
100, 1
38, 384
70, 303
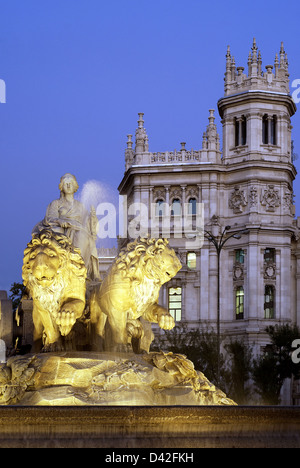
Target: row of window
175, 303
269, 130
269, 302
160, 207
269, 255
175, 294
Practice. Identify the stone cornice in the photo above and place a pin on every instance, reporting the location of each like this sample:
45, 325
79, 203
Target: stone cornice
257, 96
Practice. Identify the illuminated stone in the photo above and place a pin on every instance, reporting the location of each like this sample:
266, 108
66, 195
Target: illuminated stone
55, 276
130, 291
103, 379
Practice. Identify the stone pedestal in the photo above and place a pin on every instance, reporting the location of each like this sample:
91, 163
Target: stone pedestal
104, 379
150, 427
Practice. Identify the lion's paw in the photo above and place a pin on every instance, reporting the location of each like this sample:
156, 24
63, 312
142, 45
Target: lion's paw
166, 322
65, 321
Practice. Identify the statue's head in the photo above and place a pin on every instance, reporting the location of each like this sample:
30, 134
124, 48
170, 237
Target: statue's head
49, 255
153, 258
68, 184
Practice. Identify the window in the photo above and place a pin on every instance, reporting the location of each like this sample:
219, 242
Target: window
269, 302
176, 207
192, 206
240, 131
269, 129
240, 256
270, 255
191, 260
159, 208
239, 303
265, 130
273, 135
175, 303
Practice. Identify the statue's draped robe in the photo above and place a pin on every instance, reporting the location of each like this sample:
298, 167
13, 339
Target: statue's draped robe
79, 230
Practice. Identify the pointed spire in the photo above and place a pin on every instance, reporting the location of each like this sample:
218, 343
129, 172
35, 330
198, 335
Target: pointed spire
141, 138
282, 56
228, 54
286, 62
211, 131
259, 62
228, 65
254, 50
276, 65
211, 117
233, 69
141, 121
254, 58
129, 153
129, 142
146, 144
249, 63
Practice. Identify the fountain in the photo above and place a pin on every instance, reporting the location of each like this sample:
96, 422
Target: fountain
92, 338
92, 343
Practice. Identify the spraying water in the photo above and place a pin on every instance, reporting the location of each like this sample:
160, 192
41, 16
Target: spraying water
94, 193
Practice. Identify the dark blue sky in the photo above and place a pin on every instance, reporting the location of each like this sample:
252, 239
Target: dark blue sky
77, 73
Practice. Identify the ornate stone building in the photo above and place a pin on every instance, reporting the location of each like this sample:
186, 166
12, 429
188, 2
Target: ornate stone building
247, 187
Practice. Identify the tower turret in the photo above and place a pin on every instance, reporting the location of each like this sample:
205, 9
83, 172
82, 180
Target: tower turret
256, 109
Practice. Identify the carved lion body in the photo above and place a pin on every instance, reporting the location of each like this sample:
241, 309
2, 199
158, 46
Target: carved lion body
54, 274
130, 291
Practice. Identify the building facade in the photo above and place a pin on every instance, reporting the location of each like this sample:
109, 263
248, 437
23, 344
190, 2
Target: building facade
247, 188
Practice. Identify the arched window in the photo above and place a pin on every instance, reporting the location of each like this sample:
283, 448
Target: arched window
191, 260
176, 207
159, 208
192, 206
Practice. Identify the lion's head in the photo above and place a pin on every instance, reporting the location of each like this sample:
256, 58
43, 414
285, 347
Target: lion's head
50, 255
152, 258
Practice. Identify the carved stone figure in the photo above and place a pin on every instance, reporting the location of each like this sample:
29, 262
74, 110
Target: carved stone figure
70, 217
100, 379
253, 196
270, 198
237, 200
131, 290
55, 276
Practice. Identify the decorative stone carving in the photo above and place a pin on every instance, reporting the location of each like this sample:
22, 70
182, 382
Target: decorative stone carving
176, 192
131, 290
253, 197
237, 200
159, 193
238, 272
102, 379
55, 276
192, 192
270, 271
270, 198
288, 200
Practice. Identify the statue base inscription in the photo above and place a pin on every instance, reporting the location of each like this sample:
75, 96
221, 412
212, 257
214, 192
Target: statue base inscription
96, 379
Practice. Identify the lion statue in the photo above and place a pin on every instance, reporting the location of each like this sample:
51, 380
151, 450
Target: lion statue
55, 277
128, 296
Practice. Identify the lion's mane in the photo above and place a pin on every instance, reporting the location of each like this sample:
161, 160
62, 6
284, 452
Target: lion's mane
138, 259
71, 268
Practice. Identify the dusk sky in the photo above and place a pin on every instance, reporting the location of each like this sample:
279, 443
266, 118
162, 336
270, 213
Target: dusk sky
77, 72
